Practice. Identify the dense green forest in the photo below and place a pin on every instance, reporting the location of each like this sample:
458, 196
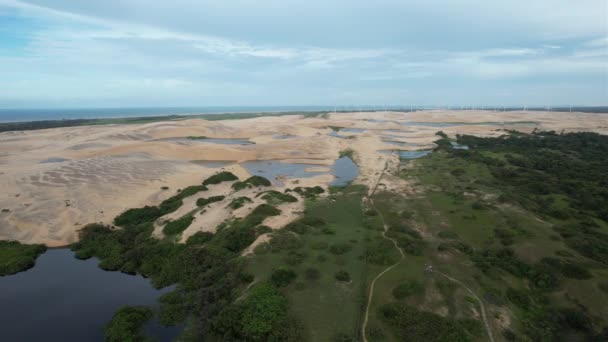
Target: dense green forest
16, 257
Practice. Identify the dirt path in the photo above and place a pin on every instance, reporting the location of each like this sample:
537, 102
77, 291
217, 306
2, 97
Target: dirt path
483, 309
373, 284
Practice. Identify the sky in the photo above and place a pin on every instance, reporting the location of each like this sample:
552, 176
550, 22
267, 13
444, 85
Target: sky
121, 53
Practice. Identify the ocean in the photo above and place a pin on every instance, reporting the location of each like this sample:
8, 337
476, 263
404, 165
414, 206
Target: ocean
18, 115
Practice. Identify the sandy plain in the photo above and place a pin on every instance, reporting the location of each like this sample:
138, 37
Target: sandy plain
54, 181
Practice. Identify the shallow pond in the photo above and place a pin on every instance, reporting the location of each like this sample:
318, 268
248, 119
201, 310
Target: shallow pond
336, 135
66, 299
353, 130
53, 160
399, 143
344, 171
413, 154
273, 169
283, 136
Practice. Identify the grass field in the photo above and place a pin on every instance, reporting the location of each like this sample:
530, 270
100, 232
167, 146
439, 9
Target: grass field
458, 209
328, 308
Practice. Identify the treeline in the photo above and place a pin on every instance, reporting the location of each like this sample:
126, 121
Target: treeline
543, 168
16, 257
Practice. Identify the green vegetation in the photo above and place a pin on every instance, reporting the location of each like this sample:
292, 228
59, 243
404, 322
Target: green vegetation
262, 316
250, 182
308, 192
219, 177
274, 197
201, 202
528, 212
408, 289
178, 226
239, 202
519, 220
282, 277
349, 152
325, 306
411, 324
149, 214
207, 269
127, 324
16, 257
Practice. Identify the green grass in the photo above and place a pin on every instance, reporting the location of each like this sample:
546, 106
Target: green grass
16, 257
325, 306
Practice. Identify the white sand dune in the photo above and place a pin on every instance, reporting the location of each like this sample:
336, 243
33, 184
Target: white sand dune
56, 180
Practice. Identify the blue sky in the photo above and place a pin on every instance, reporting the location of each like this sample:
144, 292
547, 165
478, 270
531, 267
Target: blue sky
113, 53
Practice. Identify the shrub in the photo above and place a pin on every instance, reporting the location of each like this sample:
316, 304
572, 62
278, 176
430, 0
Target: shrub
284, 241
349, 152
312, 273
261, 316
201, 202
178, 226
217, 178
447, 234
477, 205
309, 192
340, 248
238, 186
282, 277
380, 252
257, 181
411, 324
407, 289
199, 238
274, 197
342, 275
294, 258
134, 217
239, 202
127, 324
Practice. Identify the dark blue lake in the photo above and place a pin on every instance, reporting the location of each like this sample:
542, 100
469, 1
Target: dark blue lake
66, 299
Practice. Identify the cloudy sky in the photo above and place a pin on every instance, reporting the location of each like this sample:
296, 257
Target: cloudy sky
112, 53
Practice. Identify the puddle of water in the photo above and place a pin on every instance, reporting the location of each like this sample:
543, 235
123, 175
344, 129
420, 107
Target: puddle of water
335, 134
413, 154
66, 299
353, 130
399, 143
53, 160
344, 171
377, 120
283, 136
273, 169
